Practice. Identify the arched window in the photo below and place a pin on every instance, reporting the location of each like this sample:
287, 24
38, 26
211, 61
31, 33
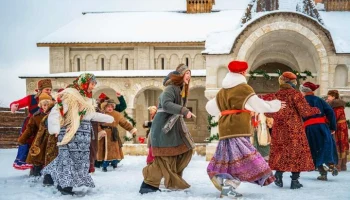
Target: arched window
78, 64
127, 63
163, 63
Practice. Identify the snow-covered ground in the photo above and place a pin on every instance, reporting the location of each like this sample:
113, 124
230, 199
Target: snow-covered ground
124, 182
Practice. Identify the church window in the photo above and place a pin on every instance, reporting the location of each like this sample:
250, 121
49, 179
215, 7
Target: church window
126, 63
78, 64
187, 62
162, 61
102, 64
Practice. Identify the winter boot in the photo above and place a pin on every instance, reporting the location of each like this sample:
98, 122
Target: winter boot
104, 169
37, 170
145, 188
323, 174
279, 178
66, 190
295, 183
229, 191
98, 163
48, 180
323, 177
114, 163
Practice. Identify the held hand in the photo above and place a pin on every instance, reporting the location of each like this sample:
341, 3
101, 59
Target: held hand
332, 132
118, 94
14, 107
283, 104
56, 134
189, 115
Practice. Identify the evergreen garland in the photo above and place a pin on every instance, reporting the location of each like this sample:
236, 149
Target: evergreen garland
131, 120
348, 122
211, 124
347, 104
213, 137
268, 77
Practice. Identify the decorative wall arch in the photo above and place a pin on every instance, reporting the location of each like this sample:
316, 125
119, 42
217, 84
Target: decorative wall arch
183, 60
199, 62
321, 43
114, 62
159, 61
99, 62
341, 72
140, 89
174, 61
90, 63
75, 63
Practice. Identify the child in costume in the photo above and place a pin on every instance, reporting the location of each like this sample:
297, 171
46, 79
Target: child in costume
33, 126
70, 120
30, 101
148, 124
341, 134
109, 142
235, 158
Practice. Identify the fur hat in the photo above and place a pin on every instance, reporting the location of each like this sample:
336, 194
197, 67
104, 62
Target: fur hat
308, 87
287, 77
44, 98
44, 83
108, 102
333, 93
237, 66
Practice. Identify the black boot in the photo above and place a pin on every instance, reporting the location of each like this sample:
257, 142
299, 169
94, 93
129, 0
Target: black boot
37, 170
104, 169
48, 180
279, 176
98, 163
66, 190
145, 188
295, 183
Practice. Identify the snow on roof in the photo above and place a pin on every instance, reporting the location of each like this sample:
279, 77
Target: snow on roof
115, 73
222, 42
338, 25
122, 27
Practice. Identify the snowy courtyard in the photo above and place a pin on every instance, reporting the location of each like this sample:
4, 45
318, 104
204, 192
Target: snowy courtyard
124, 182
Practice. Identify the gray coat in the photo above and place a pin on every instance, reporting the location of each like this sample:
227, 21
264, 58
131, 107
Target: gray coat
172, 142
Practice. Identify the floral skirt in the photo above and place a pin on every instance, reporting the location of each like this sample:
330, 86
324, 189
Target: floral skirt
71, 167
237, 159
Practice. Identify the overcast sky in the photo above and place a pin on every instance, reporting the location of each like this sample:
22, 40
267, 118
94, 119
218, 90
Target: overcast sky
24, 22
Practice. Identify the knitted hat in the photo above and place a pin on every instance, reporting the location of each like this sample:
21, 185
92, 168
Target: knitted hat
44, 97
287, 77
108, 102
308, 87
237, 66
44, 83
182, 69
333, 93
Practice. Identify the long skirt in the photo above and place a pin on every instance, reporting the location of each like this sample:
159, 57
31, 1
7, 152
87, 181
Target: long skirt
237, 159
322, 144
71, 167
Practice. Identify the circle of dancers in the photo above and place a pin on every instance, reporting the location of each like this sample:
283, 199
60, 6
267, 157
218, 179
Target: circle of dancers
65, 137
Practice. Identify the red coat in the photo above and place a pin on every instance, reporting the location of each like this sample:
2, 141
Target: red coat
289, 146
30, 101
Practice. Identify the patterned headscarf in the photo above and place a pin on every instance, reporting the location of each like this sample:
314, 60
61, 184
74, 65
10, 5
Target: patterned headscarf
82, 84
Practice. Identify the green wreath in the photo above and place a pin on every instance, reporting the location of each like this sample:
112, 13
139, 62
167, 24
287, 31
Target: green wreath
268, 77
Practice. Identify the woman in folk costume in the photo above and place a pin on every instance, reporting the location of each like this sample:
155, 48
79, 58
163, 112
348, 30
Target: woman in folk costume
341, 134
94, 141
235, 158
30, 101
290, 150
171, 141
33, 126
319, 134
70, 120
109, 142
148, 124
261, 135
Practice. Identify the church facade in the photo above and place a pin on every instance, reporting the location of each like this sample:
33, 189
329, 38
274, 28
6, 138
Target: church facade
134, 57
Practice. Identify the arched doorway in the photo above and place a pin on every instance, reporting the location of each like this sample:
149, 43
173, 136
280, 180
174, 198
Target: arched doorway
143, 100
